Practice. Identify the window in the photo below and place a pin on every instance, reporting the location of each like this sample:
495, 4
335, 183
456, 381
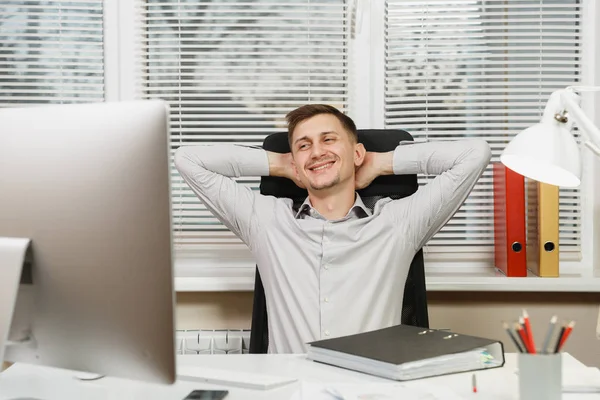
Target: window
485, 69
51, 52
230, 72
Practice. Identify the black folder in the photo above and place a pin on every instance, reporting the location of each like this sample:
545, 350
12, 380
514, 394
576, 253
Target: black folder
405, 352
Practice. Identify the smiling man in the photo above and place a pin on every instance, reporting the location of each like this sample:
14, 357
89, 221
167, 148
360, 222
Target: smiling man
333, 267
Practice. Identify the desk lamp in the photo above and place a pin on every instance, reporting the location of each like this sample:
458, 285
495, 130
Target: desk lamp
548, 152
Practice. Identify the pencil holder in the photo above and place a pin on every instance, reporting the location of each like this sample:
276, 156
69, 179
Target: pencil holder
540, 376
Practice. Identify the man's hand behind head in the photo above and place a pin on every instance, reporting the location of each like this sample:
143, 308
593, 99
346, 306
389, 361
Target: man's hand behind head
374, 165
366, 173
282, 164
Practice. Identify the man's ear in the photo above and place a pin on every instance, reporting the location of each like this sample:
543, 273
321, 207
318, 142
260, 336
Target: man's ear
295, 169
359, 154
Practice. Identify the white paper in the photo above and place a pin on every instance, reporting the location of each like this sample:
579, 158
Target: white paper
581, 380
373, 391
229, 377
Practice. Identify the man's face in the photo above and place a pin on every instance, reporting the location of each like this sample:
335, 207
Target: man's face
324, 153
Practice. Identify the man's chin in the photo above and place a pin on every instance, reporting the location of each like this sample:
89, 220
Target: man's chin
323, 185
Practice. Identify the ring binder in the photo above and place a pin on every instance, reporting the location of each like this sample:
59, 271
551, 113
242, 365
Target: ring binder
405, 352
542, 228
510, 252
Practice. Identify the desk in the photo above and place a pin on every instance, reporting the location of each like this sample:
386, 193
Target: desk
27, 381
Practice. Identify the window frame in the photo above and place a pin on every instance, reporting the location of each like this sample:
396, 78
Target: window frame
232, 268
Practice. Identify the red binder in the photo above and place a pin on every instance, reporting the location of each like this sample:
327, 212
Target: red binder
510, 254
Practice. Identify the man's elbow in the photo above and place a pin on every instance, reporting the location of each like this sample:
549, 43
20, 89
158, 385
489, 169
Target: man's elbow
481, 152
179, 157
182, 159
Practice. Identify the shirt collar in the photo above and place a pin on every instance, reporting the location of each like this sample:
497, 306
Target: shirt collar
358, 210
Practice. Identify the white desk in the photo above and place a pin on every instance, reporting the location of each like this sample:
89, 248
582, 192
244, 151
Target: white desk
27, 382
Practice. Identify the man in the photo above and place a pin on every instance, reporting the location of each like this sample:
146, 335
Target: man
334, 267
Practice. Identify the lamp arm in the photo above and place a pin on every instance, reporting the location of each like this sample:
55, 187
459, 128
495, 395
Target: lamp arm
571, 102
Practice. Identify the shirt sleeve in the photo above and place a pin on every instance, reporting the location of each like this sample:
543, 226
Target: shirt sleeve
457, 165
209, 171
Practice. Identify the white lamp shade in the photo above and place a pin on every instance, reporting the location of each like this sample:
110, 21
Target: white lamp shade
546, 152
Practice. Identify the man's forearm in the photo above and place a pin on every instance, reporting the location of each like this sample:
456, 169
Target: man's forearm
437, 157
226, 160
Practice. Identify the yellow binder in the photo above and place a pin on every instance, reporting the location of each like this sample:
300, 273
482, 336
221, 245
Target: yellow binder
542, 229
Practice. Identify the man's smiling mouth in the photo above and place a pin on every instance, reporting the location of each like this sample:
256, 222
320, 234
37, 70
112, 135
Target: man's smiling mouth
321, 166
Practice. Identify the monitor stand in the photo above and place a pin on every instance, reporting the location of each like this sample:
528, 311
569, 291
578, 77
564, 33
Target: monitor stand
15, 269
16, 291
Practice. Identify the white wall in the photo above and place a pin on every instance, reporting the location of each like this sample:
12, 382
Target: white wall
474, 313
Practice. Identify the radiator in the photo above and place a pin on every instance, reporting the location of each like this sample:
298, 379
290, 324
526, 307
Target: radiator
204, 341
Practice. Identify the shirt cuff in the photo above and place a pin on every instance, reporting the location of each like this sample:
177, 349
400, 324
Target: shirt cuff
406, 158
253, 162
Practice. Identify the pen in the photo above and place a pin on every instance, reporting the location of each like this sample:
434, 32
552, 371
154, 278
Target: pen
513, 338
474, 383
549, 334
559, 338
521, 332
528, 331
334, 393
565, 335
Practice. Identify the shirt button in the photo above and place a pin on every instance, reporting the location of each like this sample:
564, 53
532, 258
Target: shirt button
325, 239
326, 266
326, 333
326, 299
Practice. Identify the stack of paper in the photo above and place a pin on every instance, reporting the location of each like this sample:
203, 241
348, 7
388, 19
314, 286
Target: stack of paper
373, 391
581, 380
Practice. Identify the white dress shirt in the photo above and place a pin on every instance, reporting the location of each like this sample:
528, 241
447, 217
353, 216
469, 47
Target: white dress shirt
324, 279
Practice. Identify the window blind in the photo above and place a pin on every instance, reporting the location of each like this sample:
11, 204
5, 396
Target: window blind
466, 68
51, 52
230, 71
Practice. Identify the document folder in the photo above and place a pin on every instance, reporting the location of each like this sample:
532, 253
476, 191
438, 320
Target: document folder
510, 251
542, 228
405, 352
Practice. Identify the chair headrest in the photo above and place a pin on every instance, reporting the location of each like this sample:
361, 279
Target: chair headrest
375, 140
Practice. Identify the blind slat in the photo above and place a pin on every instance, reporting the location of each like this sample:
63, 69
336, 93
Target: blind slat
191, 28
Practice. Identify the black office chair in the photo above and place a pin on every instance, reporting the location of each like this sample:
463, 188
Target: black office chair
414, 306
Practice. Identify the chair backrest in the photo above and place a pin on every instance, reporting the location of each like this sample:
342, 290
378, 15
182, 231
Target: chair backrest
414, 307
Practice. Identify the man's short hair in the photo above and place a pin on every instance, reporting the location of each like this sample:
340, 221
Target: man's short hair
310, 110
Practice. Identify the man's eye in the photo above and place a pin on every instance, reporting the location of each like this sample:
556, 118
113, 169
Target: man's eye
329, 140
302, 146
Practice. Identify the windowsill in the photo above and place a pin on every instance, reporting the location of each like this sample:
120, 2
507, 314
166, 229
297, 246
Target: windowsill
440, 279
489, 280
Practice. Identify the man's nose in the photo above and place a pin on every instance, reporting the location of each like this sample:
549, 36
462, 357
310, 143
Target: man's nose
317, 151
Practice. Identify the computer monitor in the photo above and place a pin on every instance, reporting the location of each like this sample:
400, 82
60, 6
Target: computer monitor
88, 184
